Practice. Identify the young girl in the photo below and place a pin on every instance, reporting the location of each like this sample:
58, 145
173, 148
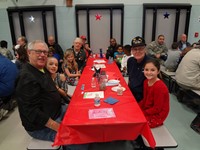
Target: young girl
59, 79
155, 102
70, 68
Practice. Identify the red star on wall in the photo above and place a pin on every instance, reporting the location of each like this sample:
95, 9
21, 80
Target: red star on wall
98, 16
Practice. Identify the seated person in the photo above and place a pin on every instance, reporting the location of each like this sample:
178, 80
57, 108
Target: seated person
155, 102
184, 52
174, 55
70, 68
59, 79
86, 46
188, 71
118, 55
182, 44
126, 56
135, 67
4, 51
196, 45
58, 52
40, 107
52, 53
8, 75
21, 41
21, 57
158, 49
112, 48
79, 54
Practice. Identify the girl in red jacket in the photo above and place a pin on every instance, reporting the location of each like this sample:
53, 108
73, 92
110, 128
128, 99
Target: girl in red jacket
155, 104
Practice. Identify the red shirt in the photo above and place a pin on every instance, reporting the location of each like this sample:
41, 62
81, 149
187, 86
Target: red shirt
155, 103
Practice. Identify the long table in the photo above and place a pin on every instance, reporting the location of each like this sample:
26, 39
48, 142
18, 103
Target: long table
77, 128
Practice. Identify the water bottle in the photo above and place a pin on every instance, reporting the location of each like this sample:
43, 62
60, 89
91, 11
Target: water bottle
97, 102
93, 83
101, 53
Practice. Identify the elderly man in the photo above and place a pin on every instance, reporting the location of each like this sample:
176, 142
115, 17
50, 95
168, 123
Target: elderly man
135, 67
158, 49
79, 53
182, 44
38, 98
21, 41
58, 51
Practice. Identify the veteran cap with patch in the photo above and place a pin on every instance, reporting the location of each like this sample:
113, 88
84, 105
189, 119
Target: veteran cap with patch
138, 41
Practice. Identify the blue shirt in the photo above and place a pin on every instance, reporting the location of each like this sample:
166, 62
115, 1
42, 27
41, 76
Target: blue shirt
8, 75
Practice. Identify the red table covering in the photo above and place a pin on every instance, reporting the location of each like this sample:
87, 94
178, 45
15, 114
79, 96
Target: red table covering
77, 128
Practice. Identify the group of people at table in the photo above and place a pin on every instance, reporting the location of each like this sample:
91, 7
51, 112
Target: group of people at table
40, 89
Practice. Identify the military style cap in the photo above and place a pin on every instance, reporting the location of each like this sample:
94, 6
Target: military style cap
138, 41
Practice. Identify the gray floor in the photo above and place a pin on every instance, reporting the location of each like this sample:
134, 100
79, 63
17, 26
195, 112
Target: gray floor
13, 136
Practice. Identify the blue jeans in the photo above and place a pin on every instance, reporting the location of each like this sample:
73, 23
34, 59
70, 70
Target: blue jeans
48, 134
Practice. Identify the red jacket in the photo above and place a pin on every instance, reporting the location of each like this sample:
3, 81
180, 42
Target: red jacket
155, 103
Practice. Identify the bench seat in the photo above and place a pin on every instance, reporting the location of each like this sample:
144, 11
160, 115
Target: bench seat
36, 144
162, 137
167, 75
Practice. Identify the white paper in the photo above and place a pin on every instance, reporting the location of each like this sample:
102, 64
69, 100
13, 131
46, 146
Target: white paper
99, 66
101, 113
99, 61
93, 94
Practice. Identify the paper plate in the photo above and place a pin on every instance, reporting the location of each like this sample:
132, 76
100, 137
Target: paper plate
113, 81
116, 87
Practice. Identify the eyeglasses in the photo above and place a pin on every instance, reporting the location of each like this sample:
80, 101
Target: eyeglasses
40, 51
138, 49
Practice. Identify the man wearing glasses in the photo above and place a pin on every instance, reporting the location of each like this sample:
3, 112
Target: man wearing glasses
39, 101
135, 67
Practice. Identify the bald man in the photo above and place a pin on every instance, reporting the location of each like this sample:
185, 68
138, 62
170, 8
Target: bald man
182, 44
58, 51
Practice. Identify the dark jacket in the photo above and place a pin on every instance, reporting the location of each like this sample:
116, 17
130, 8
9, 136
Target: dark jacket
58, 50
80, 58
111, 50
180, 45
37, 98
136, 76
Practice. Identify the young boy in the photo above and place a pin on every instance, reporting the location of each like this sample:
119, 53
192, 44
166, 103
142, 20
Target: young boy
118, 55
127, 55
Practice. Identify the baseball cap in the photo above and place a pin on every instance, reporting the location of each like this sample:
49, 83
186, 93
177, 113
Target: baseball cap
83, 37
138, 41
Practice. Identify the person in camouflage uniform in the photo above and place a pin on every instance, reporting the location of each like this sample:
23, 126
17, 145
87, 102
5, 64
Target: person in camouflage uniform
4, 51
158, 49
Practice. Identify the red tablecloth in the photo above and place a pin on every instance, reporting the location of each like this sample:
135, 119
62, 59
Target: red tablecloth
77, 128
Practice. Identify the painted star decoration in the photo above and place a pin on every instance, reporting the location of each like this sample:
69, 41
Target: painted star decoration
98, 16
166, 15
31, 19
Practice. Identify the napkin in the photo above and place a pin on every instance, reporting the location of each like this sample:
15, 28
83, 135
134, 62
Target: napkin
111, 100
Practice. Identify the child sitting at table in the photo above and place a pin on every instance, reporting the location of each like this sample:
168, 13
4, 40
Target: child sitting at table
155, 102
59, 79
70, 68
118, 55
126, 56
